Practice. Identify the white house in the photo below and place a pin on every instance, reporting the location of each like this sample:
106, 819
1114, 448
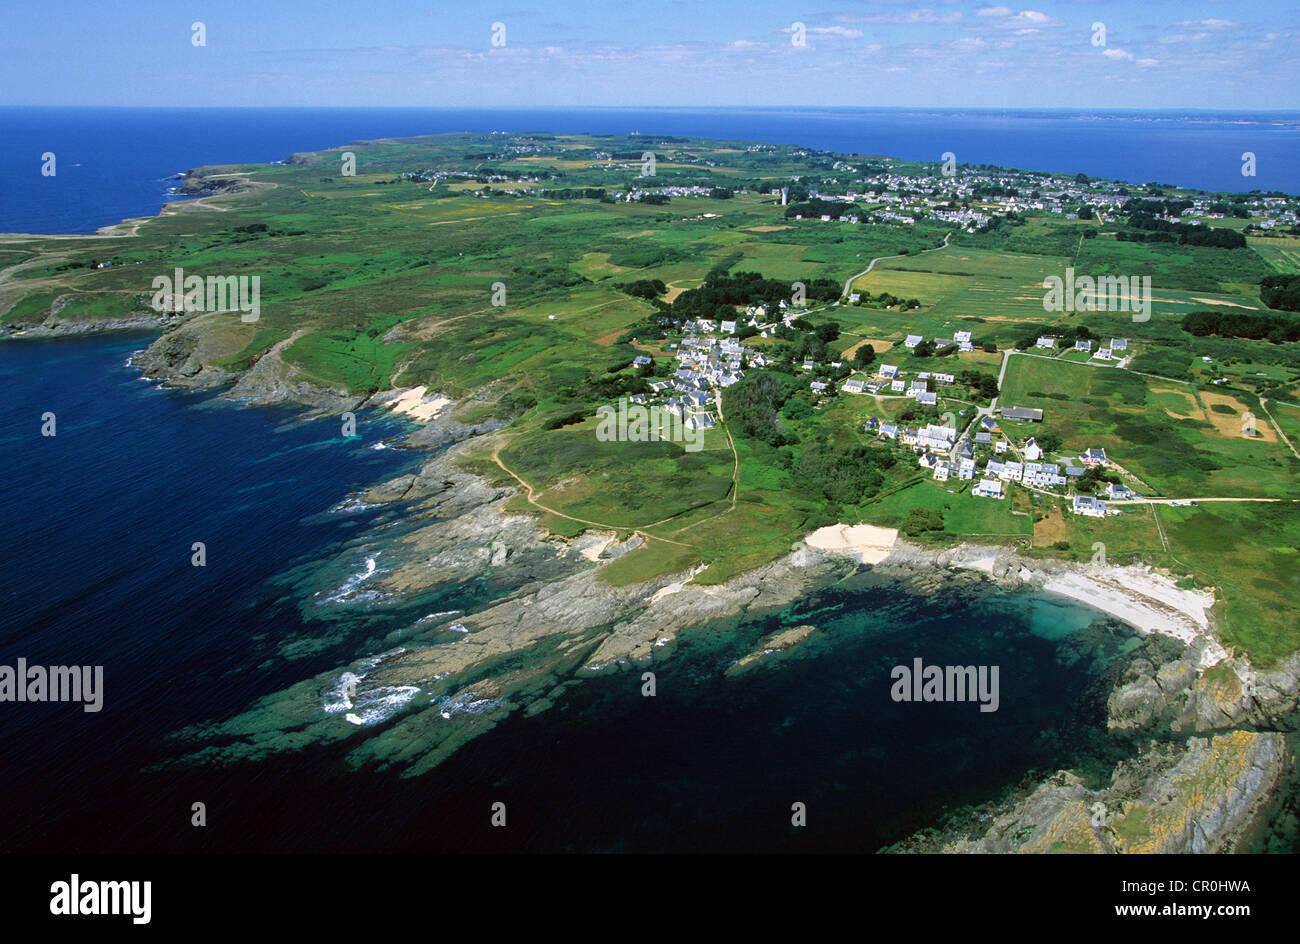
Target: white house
913, 340
1047, 343
1082, 345
988, 488
1087, 505
728, 327
1033, 452
936, 437
962, 337
1094, 457
852, 386
943, 470
888, 371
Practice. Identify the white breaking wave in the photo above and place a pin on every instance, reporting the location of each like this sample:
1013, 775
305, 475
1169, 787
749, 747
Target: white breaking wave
348, 589
339, 698
380, 704
350, 504
463, 703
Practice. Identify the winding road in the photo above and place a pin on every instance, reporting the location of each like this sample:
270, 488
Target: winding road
848, 285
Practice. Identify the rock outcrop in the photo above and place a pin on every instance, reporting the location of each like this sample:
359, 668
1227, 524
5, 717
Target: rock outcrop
1197, 797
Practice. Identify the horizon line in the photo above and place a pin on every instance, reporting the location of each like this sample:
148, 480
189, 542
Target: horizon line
770, 108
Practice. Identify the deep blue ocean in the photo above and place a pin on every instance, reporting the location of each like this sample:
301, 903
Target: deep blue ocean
113, 162
100, 521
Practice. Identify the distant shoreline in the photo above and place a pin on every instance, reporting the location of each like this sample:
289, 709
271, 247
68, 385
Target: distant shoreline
1012, 138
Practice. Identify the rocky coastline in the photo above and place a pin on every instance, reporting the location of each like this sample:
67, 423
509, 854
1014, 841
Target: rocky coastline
1211, 717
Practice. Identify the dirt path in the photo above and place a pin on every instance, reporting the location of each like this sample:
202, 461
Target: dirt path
1263, 405
848, 286
735, 472
530, 494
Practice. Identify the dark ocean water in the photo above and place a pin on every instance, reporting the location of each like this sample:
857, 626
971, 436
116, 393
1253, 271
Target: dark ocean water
113, 162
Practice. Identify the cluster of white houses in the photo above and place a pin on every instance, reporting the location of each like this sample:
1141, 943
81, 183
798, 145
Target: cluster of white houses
889, 381
1106, 353
949, 455
970, 199
706, 365
961, 340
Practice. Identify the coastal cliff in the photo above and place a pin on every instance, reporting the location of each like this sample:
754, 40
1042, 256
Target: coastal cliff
1203, 796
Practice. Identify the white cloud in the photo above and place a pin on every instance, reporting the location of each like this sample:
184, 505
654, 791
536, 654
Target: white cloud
1117, 54
1207, 24
923, 15
1023, 21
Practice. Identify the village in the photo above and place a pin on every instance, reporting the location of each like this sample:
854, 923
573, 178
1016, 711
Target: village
971, 200
983, 452
710, 358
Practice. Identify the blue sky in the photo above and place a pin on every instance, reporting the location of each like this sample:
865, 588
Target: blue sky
1157, 54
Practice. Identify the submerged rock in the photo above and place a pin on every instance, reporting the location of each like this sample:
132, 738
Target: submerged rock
769, 649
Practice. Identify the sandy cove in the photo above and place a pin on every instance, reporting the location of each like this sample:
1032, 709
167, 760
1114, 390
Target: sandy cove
865, 543
1148, 601
416, 404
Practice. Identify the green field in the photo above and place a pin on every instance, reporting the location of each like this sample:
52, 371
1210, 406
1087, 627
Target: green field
389, 279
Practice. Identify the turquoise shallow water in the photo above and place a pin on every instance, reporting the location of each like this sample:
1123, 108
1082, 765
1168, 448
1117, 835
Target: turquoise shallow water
99, 524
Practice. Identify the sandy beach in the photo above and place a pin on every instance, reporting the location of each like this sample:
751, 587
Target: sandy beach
413, 403
1147, 601
865, 543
